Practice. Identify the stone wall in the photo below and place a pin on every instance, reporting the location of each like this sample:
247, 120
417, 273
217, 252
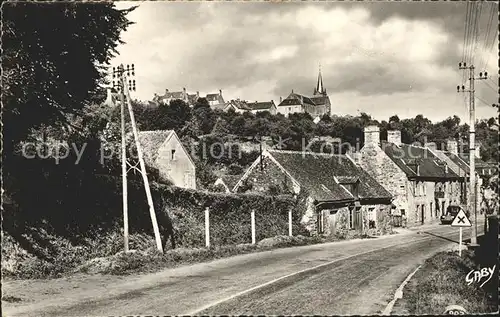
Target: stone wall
373, 160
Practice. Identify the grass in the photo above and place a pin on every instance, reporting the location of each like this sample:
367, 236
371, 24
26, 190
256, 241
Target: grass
102, 255
441, 282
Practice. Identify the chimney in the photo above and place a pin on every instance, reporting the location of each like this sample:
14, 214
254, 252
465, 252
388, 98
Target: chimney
220, 92
281, 99
372, 135
394, 136
431, 145
197, 94
184, 96
166, 91
452, 146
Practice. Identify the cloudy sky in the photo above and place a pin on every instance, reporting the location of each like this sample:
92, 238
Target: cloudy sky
379, 58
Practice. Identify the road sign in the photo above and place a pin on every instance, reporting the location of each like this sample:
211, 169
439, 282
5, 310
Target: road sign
461, 220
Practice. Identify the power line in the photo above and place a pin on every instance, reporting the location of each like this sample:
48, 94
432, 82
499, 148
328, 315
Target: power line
483, 101
484, 59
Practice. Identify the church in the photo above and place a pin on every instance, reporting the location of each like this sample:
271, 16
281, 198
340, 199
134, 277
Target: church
316, 105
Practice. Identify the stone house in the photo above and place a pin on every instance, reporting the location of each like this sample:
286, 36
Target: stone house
423, 185
176, 95
337, 194
237, 105
164, 151
215, 100
297, 103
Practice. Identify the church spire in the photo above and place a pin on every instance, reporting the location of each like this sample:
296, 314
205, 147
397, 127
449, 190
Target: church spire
320, 90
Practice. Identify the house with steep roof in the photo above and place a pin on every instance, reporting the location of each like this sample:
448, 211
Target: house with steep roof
332, 187
236, 105
422, 184
262, 106
458, 165
174, 95
215, 100
164, 151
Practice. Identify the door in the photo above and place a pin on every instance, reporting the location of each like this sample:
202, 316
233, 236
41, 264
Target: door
357, 221
422, 209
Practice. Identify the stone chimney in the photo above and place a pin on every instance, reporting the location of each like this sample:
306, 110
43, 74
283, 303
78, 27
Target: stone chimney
372, 135
220, 92
281, 99
166, 91
452, 146
197, 94
184, 95
394, 136
431, 145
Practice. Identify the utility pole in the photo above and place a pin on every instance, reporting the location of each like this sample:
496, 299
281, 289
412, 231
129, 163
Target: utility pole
119, 72
124, 73
472, 132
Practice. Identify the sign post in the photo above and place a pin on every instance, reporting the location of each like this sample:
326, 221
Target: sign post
460, 221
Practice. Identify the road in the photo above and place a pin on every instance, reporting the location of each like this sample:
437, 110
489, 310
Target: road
349, 277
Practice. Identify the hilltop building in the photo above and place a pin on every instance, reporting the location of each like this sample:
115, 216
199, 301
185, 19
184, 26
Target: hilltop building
316, 105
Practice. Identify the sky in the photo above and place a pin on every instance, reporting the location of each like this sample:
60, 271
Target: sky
382, 58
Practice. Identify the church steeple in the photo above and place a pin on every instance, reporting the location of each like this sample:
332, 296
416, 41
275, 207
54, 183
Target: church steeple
320, 89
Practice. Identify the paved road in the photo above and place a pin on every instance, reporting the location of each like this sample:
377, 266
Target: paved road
351, 277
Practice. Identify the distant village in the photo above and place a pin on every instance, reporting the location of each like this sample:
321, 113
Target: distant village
317, 105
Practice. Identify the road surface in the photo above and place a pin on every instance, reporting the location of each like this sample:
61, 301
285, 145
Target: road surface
349, 277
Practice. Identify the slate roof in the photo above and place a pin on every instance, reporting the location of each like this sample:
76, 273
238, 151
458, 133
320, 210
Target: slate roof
460, 167
172, 95
150, 143
405, 156
297, 99
212, 97
261, 105
320, 100
317, 172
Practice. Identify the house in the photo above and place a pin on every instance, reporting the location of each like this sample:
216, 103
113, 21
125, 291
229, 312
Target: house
164, 151
215, 100
294, 103
174, 95
459, 166
337, 194
422, 184
228, 182
237, 105
262, 106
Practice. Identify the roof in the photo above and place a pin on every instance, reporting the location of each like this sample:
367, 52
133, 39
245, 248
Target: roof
192, 98
458, 161
297, 99
320, 100
172, 95
150, 143
240, 104
261, 105
212, 97
407, 157
318, 172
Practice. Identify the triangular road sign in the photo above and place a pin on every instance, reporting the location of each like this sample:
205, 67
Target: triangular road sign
461, 220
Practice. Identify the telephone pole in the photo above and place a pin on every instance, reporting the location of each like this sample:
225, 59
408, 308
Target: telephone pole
472, 132
124, 73
119, 73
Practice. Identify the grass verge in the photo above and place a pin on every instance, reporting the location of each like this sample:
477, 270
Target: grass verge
441, 281
103, 256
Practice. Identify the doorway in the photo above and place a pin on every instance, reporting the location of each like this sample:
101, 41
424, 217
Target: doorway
422, 211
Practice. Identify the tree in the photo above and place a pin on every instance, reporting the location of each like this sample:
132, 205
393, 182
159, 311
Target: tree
53, 65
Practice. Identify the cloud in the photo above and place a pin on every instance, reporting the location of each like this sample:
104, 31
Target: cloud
261, 51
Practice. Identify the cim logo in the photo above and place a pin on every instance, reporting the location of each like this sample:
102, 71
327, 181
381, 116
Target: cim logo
455, 310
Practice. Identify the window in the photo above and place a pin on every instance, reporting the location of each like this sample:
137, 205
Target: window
403, 212
173, 155
371, 217
416, 212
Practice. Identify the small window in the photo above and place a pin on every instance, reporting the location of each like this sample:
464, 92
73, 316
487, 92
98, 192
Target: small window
402, 212
173, 155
